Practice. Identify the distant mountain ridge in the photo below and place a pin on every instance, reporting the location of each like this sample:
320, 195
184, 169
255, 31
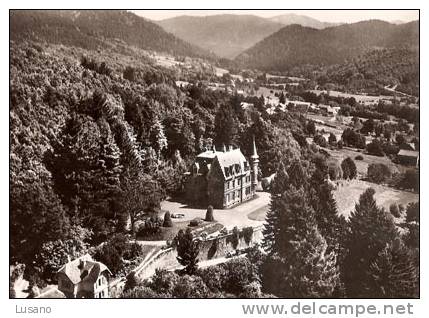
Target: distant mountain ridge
296, 45
303, 20
90, 28
226, 35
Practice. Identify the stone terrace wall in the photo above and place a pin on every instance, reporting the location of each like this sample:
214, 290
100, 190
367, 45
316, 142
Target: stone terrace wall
210, 248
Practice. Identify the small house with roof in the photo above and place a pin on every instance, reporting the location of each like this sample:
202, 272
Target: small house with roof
222, 179
84, 278
408, 157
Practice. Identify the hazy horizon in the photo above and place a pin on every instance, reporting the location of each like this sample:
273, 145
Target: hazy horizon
332, 16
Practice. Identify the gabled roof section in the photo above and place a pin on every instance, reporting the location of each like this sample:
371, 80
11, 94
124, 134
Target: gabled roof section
83, 268
231, 162
408, 153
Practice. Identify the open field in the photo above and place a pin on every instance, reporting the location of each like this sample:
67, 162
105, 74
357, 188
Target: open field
348, 192
362, 165
359, 98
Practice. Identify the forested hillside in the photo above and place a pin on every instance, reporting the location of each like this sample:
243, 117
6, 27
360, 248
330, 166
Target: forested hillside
297, 46
371, 72
97, 138
91, 28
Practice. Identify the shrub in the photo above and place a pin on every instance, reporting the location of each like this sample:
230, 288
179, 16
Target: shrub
209, 214
167, 220
129, 73
375, 148
359, 157
340, 144
320, 140
332, 139
191, 287
378, 172
334, 170
352, 138
240, 272
349, 168
213, 249
234, 237
413, 212
150, 228
214, 277
247, 234
195, 222
409, 180
311, 128
394, 210
252, 290
110, 257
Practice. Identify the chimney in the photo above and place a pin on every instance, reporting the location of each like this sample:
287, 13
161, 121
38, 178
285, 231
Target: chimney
214, 149
223, 148
230, 147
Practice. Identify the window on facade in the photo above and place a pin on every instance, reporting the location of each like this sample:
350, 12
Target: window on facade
233, 183
233, 195
238, 181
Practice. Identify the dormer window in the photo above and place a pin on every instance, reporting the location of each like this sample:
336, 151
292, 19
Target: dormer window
226, 171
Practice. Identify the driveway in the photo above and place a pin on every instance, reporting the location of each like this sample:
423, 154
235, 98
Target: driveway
236, 216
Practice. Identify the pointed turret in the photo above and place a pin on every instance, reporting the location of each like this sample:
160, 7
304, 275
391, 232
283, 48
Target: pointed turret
254, 160
254, 154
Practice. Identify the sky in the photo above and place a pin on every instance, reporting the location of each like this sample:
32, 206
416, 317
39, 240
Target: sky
346, 16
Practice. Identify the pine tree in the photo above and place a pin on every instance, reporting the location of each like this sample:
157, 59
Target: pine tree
371, 228
226, 126
157, 137
187, 251
298, 264
331, 225
393, 273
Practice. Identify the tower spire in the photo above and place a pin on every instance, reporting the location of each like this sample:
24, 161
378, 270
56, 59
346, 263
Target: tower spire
254, 160
254, 154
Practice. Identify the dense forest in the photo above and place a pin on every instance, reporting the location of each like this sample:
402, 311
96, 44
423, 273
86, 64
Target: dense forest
85, 132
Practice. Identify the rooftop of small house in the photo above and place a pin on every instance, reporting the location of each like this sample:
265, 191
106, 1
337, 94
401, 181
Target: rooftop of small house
408, 153
83, 268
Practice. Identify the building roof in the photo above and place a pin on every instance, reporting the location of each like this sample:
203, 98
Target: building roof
52, 293
408, 153
83, 268
231, 161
